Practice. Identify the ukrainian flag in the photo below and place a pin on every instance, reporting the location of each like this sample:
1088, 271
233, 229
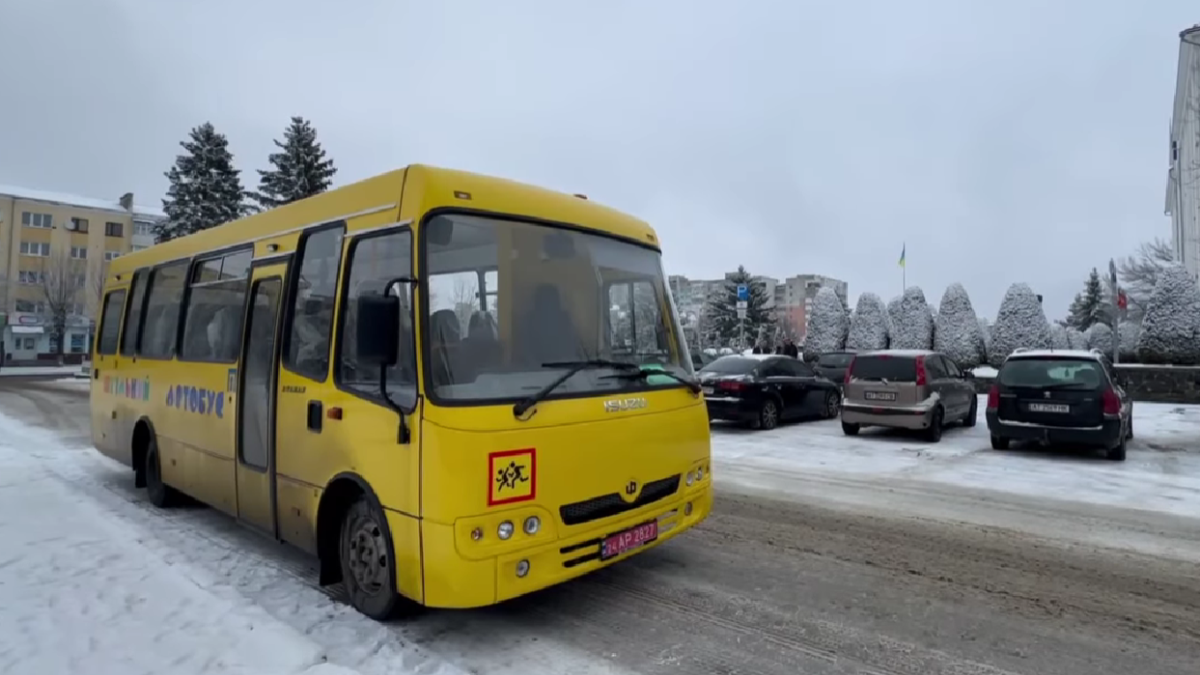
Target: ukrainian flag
902, 251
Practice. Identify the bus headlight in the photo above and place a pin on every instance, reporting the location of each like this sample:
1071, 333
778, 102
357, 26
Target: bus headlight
690, 478
699, 474
505, 530
532, 525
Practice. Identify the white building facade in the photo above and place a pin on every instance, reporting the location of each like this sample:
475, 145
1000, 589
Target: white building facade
1183, 177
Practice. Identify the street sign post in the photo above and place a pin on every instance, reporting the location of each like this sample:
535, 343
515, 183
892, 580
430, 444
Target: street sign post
743, 292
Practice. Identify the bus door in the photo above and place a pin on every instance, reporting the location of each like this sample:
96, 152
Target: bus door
255, 472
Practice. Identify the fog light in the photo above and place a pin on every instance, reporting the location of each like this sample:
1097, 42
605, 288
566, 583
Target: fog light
505, 530
690, 478
522, 568
476, 534
687, 509
532, 525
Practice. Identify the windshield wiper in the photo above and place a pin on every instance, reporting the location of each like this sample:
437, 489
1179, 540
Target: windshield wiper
692, 385
523, 406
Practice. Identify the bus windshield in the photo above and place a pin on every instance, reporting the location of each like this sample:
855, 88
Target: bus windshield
507, 300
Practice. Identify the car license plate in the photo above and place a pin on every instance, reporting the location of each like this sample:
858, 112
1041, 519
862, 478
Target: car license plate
1049, 407
880, 396
707, 390
628, 540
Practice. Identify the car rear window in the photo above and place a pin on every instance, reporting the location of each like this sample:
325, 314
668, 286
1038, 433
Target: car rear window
834, 360
1057, 373
884, 367
731, 365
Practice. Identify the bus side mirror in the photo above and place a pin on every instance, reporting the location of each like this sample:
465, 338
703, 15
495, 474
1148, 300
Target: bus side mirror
377, 329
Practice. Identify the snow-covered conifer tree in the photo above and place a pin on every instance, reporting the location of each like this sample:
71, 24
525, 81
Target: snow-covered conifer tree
205, 190
1076, 339
869, 325
1171, 327
721, 310
828, 325
956, 328
299, 170
1020, 323
913, 326
1100, 336
1058, 337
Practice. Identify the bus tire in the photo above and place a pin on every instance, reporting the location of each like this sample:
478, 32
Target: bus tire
159, 493
368, 562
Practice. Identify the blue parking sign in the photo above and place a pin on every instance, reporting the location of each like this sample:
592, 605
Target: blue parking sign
743, 292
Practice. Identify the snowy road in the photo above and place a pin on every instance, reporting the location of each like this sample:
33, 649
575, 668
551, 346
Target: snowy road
823, 555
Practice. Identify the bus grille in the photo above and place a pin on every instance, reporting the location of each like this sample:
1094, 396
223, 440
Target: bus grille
612, 504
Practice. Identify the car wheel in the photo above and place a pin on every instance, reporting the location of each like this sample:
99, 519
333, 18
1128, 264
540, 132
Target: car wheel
1117, 452
933, 434
850, 429
160, 494
833, 405
768, 415
999, 443
972, 414
368, 565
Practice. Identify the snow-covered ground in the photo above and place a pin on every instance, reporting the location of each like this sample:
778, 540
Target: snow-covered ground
84, 590
1162, 472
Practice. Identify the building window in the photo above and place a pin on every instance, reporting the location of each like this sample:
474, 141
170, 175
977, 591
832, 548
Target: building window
110, 255
27, 277
36, 248
80, 225
31, 307
113, 229
79, 252
42, 220
143, 229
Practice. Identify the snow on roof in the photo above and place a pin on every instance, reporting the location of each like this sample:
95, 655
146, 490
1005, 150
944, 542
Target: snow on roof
76, 200
1061, 353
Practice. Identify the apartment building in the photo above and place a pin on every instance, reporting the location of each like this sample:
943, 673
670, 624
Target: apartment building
1183, 176
791, 298
53, 250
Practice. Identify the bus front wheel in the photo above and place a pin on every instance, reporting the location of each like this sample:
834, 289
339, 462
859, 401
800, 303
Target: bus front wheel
368, 565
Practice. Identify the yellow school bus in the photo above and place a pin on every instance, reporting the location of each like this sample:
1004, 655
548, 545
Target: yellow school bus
451, 389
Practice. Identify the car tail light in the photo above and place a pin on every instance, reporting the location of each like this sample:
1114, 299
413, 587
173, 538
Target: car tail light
993, 397
921, 381
849, 369
730, 385
1112, 402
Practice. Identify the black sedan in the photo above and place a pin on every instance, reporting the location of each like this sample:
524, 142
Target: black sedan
763, 389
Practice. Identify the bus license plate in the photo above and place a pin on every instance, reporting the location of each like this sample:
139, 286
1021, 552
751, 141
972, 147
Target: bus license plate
628, 540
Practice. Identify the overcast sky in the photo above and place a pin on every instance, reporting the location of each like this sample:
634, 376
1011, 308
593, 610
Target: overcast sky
1022, 142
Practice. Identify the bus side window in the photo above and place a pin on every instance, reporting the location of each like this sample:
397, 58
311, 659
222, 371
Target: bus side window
110, 322
133, 317
161, 325
306, 351
375, 260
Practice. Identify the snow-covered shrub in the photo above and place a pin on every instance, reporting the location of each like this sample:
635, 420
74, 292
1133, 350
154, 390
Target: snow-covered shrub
1058, 337
1171, 327
893, 310
1127, 339
828, 325
1100, 336
912, 325
869, 324
956, 328
1019, 323
1076, 339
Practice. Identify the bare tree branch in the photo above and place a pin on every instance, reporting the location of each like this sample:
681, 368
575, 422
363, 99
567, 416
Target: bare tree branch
63, 282
1138, 274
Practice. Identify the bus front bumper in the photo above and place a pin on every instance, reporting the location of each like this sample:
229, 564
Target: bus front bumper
453, 581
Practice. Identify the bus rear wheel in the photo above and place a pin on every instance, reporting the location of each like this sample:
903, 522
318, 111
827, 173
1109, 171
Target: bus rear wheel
367, 561
159, 493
